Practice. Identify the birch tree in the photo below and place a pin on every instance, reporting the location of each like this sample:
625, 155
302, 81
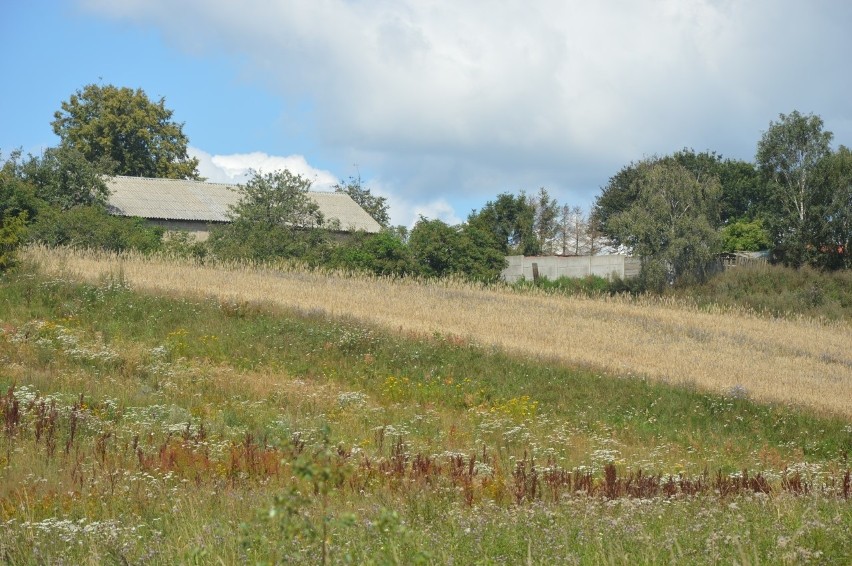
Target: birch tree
788, 155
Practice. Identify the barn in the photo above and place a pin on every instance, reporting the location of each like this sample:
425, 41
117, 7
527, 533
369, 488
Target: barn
196, 206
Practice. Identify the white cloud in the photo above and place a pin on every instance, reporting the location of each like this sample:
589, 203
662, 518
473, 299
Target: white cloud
238, 167
554, 92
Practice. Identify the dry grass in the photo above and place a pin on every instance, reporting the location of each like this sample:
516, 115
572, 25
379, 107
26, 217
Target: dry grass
788, 361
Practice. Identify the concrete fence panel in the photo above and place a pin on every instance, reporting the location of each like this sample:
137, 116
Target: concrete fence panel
554, 267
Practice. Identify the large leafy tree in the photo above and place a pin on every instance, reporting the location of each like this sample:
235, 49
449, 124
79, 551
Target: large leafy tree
123, 126
510, 222
671, 224
742, 195
64, 178
788, 155
832, 236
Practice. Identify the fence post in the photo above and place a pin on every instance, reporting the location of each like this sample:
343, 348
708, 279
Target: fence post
535, 272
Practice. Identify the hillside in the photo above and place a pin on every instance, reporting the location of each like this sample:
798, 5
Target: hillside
161, 412
774, 360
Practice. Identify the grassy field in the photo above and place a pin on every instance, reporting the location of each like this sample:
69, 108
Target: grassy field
161, 413
722, 350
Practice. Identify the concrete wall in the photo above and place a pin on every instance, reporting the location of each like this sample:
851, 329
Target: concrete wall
200, 229
554, 267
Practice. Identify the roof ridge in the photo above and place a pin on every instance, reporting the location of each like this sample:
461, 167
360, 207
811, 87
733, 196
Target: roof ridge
161, 179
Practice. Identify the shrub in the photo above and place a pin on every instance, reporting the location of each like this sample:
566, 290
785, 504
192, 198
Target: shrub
93, 227
12, 233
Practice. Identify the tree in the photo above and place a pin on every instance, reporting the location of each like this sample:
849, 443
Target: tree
546, 223
671, 224
617, 196
275, 217
787, 156
743, 192
510, 221
573, 230
745, 236
120, 125
64, 178
833, 236
13, 231
480, 259
17, 196
435, 247
280, 198
381, 254
376, 206
440, 250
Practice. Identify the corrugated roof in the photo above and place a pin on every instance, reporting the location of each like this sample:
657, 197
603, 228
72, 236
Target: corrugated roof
178, 199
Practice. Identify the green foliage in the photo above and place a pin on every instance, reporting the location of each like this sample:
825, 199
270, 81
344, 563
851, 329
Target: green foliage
92, 227
260, 242
17, 196
742, 191
480, 259
274, 218
745, 236
779, 291
510, 221
435, 247
376, 206
788, 155
546, 225
182, 244
833, 236
126, 128
64, 178
167, 492
440, 250
671, 224
381, 254
13, 231
277, 199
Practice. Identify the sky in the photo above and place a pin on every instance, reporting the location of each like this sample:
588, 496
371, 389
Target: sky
437, 105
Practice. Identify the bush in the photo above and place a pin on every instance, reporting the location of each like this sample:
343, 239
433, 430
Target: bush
92, 227
183, 245
13, 231
779, 291
380, 254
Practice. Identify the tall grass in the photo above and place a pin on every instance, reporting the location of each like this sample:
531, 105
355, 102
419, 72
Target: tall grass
201, 429
788, 361
779, 291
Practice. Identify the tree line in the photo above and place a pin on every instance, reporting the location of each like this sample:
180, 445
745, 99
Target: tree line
678, 211
675, 212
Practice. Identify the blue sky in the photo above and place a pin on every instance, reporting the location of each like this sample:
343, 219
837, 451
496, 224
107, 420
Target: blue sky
439, 106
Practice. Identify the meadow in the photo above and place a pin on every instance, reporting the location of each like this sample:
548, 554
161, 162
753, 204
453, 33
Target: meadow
158, 412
